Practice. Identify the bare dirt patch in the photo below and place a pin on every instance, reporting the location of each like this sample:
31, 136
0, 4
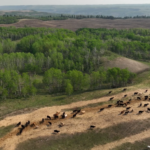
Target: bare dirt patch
132, 65
75, 24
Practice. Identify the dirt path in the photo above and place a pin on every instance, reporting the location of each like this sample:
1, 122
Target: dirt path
131, 139
109, 117
43, 112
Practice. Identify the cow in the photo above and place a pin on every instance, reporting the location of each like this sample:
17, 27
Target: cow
18, 124
145, 97
145, 105
49, 117
42, 121
135, 93
124, 89
146, 91
111, 98
49, 123
101, 109
64, 115
128, 108
56, 131
109, 106
126, 112
140, 105
138, 98
122, 112
109, 92
92, 127
125, 95
140, 112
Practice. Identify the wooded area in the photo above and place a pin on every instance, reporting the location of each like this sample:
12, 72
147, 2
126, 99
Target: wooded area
67, 61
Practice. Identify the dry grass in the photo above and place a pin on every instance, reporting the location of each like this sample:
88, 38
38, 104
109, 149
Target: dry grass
75, 24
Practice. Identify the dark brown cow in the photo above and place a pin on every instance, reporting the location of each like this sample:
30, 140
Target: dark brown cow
111, 98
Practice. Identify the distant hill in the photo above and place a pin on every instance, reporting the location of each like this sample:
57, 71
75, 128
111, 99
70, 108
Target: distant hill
107, 10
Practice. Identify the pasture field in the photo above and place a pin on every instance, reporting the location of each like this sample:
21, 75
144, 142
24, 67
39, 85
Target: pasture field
111, 131
75, 24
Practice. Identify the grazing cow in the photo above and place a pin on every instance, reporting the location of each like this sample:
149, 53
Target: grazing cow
79, 111
56, 131
61, 124
128, 108
49, 117
140, 112
140, 105
138, 98
124, 89
18, 124
130, 100
131, 111
20, 132
92, 127
42, 121
64, 115
126, 112
56, 115
128, 103
23, 126
135, 93
145, 97
74, 115
122, 112
125, 95
101, 109
49, 123
145, 105
75, 110
109, 106
28, 122
109, 92
146, 91
111, 98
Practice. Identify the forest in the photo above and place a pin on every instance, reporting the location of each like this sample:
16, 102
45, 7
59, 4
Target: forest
44, 60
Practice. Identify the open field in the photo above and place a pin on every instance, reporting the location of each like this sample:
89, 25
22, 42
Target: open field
107, 122
75, 24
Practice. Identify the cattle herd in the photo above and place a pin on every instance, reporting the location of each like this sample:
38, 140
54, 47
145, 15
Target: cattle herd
120, 103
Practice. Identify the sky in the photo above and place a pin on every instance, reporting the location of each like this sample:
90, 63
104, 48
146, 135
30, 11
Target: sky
71, 2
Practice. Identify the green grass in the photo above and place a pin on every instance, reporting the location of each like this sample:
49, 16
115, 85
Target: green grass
86, 140
5, 130
139, 145
11, 105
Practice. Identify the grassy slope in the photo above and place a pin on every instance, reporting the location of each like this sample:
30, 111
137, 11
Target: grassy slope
87, 140
5, 130
141, 145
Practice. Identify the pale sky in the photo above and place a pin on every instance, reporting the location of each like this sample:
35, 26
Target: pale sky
70, 2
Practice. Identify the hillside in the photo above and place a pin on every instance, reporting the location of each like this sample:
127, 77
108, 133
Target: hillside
131, 65
75, 24
106, 10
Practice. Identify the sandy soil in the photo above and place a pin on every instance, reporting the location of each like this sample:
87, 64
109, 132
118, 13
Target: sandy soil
109, 117
132, 65
75, 24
